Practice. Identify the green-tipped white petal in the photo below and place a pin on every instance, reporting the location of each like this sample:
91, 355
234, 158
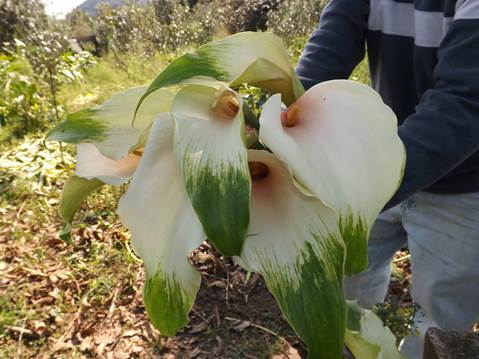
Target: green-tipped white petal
92, 164
342, 147
75, 191
110, 126
165, 229
258, 58
294, 242
367, 337
212, 158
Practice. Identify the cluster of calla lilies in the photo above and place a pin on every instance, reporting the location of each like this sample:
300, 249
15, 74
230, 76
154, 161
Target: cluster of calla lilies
297, 208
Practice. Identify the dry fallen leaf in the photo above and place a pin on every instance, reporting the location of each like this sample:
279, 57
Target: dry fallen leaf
217, 283
131, 333
242, 325
197, 328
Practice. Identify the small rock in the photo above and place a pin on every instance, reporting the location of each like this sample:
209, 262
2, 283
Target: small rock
451, 344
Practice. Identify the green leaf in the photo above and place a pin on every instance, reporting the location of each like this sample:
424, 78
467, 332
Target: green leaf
294, 242
92, 171
340, 142
212, 158
75, 191
165, 229
258, 58
109, 126
367, 337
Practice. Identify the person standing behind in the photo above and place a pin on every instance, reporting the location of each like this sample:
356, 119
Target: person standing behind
424, 62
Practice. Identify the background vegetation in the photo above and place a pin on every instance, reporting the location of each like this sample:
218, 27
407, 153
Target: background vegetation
84, 299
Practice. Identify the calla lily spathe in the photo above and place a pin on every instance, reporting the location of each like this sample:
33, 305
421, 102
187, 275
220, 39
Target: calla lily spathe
165, 229
295, 243
340, 142
212, 158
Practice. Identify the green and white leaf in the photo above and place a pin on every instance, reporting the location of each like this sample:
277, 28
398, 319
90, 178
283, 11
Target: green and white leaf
75, 191
344, 150
92, 164
367, 337
110, 126
294, 242
165, 229
257, 58
212, 158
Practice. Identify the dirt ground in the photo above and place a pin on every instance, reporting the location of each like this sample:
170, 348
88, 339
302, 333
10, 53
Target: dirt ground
233, 317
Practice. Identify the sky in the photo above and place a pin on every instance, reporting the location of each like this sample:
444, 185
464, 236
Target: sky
59, 8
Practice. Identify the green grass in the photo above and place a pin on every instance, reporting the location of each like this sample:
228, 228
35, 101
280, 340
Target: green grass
90, 270
361, 72
110, 75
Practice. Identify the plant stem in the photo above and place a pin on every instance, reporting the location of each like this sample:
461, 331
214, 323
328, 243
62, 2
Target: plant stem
249, 117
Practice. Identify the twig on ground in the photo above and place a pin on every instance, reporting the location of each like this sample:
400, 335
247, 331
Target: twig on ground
406, 279
260, 327
131, 252
403, 258
22, 330
17, 215
217, 314
72, 325
113, 305
199, 314
227, 288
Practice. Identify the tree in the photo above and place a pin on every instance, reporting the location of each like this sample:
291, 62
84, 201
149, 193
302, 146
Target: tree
19, 18
79, 23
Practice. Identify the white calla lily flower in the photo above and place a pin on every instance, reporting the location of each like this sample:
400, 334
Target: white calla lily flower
340, 142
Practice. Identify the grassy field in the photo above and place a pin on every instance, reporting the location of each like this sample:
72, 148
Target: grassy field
84, 299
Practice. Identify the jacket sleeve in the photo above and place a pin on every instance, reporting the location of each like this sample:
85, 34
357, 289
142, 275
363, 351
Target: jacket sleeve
338, 44
444, 130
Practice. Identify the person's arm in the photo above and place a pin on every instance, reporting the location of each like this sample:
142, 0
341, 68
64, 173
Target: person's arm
444, 130
337, 46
